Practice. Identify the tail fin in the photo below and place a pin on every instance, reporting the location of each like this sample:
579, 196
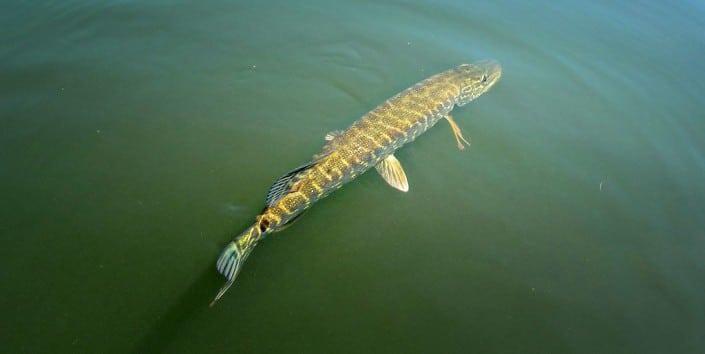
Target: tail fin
232, 258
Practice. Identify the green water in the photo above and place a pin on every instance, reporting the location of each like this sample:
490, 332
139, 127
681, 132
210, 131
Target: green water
136, 138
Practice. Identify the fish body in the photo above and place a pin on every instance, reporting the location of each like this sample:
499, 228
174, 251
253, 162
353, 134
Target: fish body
369, 142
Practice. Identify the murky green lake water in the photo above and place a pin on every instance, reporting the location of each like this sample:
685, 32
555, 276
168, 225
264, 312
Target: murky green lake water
136, 138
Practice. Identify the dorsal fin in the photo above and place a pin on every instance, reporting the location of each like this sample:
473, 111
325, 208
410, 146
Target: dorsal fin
283, 184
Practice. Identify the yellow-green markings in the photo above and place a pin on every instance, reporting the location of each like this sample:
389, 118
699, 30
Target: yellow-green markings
370, 141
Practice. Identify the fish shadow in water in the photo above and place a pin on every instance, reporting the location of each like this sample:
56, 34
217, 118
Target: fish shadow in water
190, 304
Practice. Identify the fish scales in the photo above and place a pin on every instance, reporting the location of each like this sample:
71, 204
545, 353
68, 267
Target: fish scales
366, 143
380, 132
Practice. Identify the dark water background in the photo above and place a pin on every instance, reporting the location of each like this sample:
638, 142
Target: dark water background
137, 137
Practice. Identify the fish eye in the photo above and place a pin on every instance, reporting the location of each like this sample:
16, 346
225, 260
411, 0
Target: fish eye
484, 78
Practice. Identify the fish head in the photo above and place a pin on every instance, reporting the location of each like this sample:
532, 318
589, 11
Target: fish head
475, 79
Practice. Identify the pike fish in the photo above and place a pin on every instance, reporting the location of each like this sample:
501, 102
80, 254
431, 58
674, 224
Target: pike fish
369, 142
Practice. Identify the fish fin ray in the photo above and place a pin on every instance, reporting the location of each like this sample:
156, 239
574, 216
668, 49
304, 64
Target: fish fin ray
229, 264
457, 133
284, 183
331, 141
332, 135
233, 256
390, 169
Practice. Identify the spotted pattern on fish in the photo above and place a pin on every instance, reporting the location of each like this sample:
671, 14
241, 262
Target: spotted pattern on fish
380, 132
363, 145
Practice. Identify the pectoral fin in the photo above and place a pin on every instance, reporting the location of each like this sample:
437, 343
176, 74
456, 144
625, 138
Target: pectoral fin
390, 169
457, 133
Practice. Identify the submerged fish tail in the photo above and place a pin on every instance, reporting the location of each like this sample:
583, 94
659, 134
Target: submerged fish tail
234, 255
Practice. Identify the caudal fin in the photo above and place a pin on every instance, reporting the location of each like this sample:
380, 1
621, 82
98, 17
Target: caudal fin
228, 265
231, 260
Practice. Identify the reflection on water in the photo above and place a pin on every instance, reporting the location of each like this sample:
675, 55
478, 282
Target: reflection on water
137, 138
